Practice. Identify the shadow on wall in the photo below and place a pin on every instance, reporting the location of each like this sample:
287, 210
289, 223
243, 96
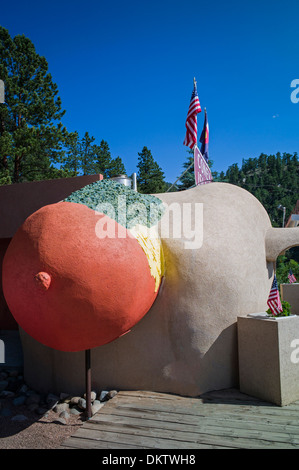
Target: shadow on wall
222, 376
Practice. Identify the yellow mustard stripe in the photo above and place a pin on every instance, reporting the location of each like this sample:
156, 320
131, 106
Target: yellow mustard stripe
150, 242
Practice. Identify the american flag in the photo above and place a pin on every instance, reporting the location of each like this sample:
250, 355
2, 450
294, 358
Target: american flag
202, 171
191, 121
291, 277
274, 299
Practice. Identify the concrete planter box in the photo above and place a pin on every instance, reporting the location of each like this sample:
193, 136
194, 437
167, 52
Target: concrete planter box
268, 362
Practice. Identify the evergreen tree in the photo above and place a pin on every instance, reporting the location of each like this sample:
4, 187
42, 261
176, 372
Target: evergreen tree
72, 159
103, 159
117, 167
150, 177
31, 135
272, 179
188, 178
88, 153
286, 262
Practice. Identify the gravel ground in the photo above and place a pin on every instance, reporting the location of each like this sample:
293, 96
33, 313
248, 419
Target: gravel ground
33, 420
36, 432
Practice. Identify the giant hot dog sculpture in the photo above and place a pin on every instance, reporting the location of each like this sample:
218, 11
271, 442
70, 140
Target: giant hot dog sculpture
74, 278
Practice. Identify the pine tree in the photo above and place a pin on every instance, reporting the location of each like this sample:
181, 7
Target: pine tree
72, 159
88, 155
103, 158
272, 179
117, 167
30, 132
150, 177
188, 178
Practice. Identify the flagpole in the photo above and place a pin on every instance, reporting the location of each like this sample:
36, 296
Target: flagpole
88, 383
195, 86
180, 176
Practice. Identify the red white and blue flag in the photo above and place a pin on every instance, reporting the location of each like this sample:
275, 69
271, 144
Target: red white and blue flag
291, 277
274, 298
191, 121
204, 139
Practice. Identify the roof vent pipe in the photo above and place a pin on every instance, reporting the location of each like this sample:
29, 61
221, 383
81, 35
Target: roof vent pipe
134, 179
123, 179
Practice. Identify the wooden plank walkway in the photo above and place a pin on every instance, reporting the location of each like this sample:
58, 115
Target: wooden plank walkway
226, 419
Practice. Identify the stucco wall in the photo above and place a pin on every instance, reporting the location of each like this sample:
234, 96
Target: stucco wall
18, 201
290, 293
187, 343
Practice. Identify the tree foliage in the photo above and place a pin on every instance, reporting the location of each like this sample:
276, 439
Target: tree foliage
31, 133
286, 262
84, 156
272, 179
150, 177
34, 145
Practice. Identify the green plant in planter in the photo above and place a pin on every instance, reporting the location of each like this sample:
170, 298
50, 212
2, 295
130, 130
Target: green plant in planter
286, 312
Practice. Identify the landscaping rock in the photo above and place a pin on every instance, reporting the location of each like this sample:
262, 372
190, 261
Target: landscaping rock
75, 411
103, 395
64, 414
13, 384
6, 412
52, 400
74, 401
96, 406
93, 396
32, 406
34, 398
61, 407
19, 418
7, 394
111, 394
3, 385
13, 373
23, 389
41, 411
82, 403
13, 387
30, 392
18, 401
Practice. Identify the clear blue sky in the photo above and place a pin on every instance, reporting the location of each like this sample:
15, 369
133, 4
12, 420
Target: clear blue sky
125, 69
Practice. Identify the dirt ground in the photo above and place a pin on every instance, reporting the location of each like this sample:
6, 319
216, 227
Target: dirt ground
36, 432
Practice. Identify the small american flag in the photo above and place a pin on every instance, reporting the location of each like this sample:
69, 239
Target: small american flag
291, 277
274, 299
191, 121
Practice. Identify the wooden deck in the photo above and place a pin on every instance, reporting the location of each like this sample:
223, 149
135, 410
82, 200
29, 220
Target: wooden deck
217, 420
